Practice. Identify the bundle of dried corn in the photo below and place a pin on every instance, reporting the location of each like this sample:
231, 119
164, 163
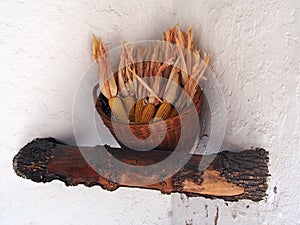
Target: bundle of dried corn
153, 82
107, 81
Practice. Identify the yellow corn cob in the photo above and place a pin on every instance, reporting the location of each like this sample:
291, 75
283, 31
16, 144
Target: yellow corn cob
138, 110
163, 111
173, 112
117, 108
148, 113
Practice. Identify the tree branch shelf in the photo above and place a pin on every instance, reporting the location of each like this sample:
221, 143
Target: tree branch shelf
231, 176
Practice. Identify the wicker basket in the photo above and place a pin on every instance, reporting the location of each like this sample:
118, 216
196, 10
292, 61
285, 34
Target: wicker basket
170, 127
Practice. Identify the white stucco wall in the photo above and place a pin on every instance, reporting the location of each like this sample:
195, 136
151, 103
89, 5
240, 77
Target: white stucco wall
255, 49
44, 50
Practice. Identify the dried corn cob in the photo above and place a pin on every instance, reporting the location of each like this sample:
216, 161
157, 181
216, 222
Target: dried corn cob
148, 113
138, 110
117, 108
163, 111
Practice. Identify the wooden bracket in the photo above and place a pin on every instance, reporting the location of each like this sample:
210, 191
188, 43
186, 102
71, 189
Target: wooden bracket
230, 176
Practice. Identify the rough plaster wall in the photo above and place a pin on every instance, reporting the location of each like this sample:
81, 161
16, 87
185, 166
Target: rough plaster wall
255, 49
44, 49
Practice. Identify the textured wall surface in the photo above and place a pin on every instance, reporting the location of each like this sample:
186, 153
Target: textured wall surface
255, 50
44, 50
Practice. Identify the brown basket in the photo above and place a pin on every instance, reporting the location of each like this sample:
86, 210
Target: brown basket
171, 127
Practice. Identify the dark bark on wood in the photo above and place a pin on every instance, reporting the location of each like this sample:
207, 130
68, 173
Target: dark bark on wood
241, 175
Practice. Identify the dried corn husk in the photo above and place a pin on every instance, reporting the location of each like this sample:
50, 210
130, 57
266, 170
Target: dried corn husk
138, 54
121, 74
107, 83
125, 78
198, 74
190, 49
169, 50
154, 67
145, 85
173, 84
146, 63
129, 102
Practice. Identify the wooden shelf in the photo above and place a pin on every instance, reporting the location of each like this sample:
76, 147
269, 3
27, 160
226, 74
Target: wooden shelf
230, 176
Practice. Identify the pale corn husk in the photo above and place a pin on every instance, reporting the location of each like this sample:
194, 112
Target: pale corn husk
146, 60
169, 51
139, 71
145, 85
129, 61
190, 42
154, 67
129, 102
198, 74
173, 85
159, 83
121, 74
95, 47
126, 84
182, 41
190, 49
154, 60
183, 67
107, 81
146, 67
181, 37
